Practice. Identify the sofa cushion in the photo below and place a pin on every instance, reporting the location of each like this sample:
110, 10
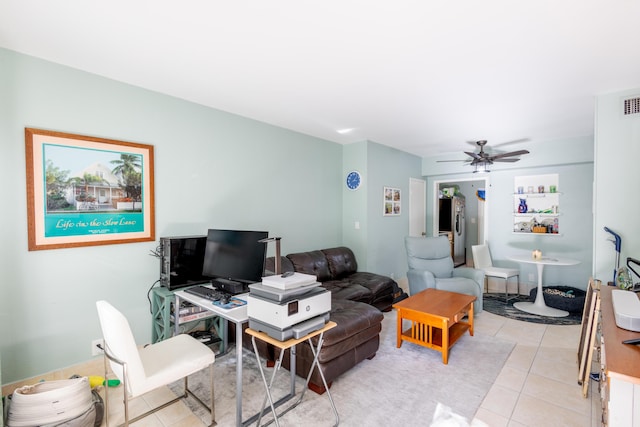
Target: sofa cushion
312, 262
342, 261
351, 318
345, 290
380, 286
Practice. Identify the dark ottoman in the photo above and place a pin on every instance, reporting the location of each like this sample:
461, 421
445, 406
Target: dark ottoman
355, 338
564, 298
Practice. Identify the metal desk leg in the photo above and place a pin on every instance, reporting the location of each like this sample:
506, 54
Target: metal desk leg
238, 373
176, 321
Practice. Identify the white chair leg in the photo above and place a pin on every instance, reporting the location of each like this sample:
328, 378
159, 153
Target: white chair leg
213, 408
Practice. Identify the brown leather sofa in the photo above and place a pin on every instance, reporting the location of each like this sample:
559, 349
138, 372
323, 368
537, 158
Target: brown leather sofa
337, 271
357, 299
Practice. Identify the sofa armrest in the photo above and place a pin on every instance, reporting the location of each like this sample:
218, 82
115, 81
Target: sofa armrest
419, 280
470, 273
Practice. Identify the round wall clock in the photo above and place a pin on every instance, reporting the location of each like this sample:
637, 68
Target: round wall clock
354, 179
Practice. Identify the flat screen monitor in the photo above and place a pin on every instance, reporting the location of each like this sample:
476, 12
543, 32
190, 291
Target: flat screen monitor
235, 255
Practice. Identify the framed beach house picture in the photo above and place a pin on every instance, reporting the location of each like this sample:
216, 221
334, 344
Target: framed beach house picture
84, 190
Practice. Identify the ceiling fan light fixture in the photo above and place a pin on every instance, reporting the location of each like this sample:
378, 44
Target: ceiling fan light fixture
482, 167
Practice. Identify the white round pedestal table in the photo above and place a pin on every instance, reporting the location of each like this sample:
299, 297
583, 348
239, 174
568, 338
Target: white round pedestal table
539, 307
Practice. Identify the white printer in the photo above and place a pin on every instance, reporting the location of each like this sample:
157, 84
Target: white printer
288, 307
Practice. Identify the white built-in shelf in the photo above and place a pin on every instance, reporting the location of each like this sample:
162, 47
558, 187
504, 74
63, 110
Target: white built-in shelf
535, 190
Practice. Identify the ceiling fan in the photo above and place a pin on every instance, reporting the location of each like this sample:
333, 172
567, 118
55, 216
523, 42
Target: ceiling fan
481, 160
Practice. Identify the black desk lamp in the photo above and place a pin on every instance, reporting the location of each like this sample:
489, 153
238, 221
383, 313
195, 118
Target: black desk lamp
278, 263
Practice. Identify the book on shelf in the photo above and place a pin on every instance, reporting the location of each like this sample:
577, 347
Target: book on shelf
194, 316
186, 308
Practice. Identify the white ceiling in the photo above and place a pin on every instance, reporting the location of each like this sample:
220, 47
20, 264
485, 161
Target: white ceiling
423, 76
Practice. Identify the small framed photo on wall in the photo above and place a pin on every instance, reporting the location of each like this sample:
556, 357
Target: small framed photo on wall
391, 201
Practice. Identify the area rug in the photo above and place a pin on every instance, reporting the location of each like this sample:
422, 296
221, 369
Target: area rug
494, 303
399, 386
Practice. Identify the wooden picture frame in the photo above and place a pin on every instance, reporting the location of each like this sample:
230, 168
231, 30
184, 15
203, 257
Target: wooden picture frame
85, 191
588, 329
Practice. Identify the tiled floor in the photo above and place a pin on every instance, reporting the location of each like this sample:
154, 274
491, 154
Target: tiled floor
537, 386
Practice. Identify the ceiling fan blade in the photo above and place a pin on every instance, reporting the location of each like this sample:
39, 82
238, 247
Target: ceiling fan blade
510, 154
443, 161
474, 155
506, 160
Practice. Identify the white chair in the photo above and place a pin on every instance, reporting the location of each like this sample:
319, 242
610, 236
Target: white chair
151, 367
482, 261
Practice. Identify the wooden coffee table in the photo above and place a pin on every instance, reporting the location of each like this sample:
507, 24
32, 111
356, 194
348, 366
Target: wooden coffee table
436, 319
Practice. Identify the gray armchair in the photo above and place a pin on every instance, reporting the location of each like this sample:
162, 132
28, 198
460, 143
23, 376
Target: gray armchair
431, 266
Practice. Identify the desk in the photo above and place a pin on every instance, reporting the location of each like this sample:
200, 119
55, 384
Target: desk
236, 315
620, 379
539, 307
291, 344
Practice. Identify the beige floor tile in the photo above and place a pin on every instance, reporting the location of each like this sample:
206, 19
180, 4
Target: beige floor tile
511, 378
488, 323
564, 355
557, 393
137, 406
174, 414
513, 423
190, 421
559, 370
491, 418
522, 332
500, 400
561, 336
522, 357
534, 412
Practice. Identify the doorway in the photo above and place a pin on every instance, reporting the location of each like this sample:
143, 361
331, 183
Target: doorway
417, 207
476, 210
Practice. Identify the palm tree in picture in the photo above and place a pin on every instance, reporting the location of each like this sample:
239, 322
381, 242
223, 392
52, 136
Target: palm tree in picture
128, 170
126, 164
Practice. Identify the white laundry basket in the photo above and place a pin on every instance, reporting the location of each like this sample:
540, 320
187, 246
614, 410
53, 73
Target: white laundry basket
52, 403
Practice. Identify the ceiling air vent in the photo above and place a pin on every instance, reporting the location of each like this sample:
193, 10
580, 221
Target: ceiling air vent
632, 106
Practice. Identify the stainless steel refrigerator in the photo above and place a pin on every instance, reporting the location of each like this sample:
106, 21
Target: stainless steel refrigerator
451, 222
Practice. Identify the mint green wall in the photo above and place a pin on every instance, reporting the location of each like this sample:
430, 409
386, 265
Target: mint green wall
212, 170
574, 165
354, 202
617, 174
388, 167
378, 244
